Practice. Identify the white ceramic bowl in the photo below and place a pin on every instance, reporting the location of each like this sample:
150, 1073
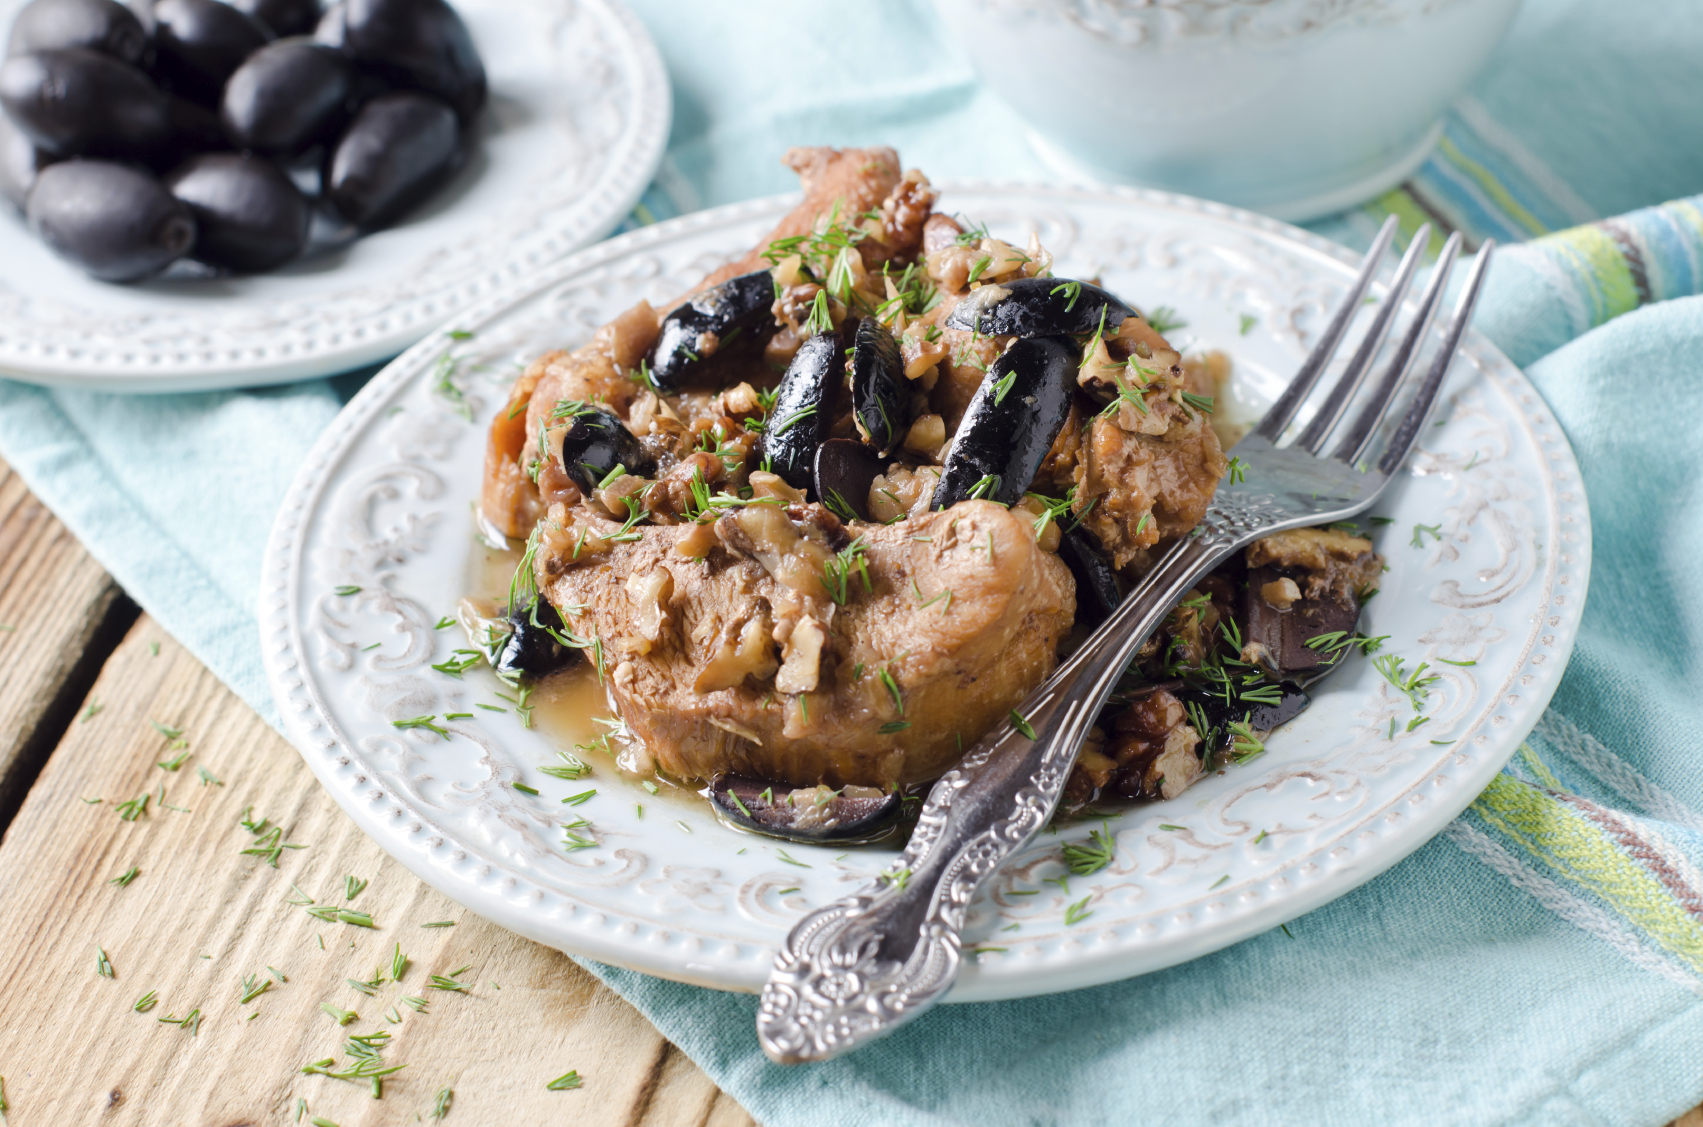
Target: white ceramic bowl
1296, 108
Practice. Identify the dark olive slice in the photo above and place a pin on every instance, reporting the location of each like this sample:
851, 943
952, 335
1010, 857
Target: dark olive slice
1098, 592
1281, 636
20, 162
881, 395
399, 149
78, 102
1038, 307
117, 223
249, 216
1261, 717
799, 419
803, 814
530, 651
692, 332
100, 25
1010, 424
420, 44
199, 43
282, 17
287, 96
845, 469
596, 444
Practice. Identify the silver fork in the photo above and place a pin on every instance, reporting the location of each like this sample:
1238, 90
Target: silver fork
864, 965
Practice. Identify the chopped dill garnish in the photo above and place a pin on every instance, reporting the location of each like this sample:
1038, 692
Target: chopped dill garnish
1078, 911
1087, 858
1420, 531
565, 1082
253, 986
440, 923
124, 878
1238, 471
583, 796
146, 1002
524, 789
1246, 322
103, 965
789, 859
208, 778
1021, 723
1164, 320
352, 887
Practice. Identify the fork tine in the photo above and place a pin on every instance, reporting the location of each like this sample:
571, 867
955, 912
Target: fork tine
1353, 445
1331, 411
1423, 399
1289, 403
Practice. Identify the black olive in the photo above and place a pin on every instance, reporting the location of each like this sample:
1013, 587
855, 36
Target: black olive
100, 25
20, 162
845, 469
694, 330
248, 215
199, 43
420, 44
1291, 702
282, 17
1010, 424
799, 419
114, 221
1038, 307
77, 102
595, 444
1098, 592
769, 808
286, 97
396, 152
529, 650
1281, 635
881, 395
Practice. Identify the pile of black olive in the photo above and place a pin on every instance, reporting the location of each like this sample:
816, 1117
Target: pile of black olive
229, 134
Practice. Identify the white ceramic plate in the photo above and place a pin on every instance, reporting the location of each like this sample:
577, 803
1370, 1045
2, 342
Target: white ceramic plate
384, 503
576, 126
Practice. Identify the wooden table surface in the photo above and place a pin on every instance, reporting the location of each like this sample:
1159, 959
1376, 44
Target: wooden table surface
86, 684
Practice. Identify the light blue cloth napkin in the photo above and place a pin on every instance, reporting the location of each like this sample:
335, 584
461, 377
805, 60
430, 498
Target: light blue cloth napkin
1542, 962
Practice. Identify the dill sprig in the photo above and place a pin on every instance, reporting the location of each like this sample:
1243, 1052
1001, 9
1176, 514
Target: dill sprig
103, 965
146, 1002
398, 964
565, 1082
341, 1017
837, 572
123, 879
253, 986
1078, 911
1087, 858
352, 887
1415, 685
441, 1102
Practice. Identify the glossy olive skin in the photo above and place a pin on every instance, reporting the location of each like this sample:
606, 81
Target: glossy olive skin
1034, 307
1009, 427
399, 149
881, 394
199, 43
844, 470
20, 163
250, 217
529, 651
286, 97
685, 337
281, 17
117, 223
595, 445
78, 102
1098, 592
799, 419
418, 44
99, 25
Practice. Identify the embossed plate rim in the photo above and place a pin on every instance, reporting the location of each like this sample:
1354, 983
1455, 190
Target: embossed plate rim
1116, 950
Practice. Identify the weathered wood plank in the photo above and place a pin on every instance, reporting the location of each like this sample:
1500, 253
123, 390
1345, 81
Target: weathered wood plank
54, 601
199, 916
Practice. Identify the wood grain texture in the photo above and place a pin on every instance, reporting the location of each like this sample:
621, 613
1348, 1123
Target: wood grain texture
200, 915
54, 599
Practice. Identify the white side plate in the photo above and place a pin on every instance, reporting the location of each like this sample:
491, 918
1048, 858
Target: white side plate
384, 503
575, 129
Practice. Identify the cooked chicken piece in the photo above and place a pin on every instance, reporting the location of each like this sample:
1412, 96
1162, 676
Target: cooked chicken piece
752, 666
1333, 562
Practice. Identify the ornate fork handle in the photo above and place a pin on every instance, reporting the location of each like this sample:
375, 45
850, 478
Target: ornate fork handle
864, 965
